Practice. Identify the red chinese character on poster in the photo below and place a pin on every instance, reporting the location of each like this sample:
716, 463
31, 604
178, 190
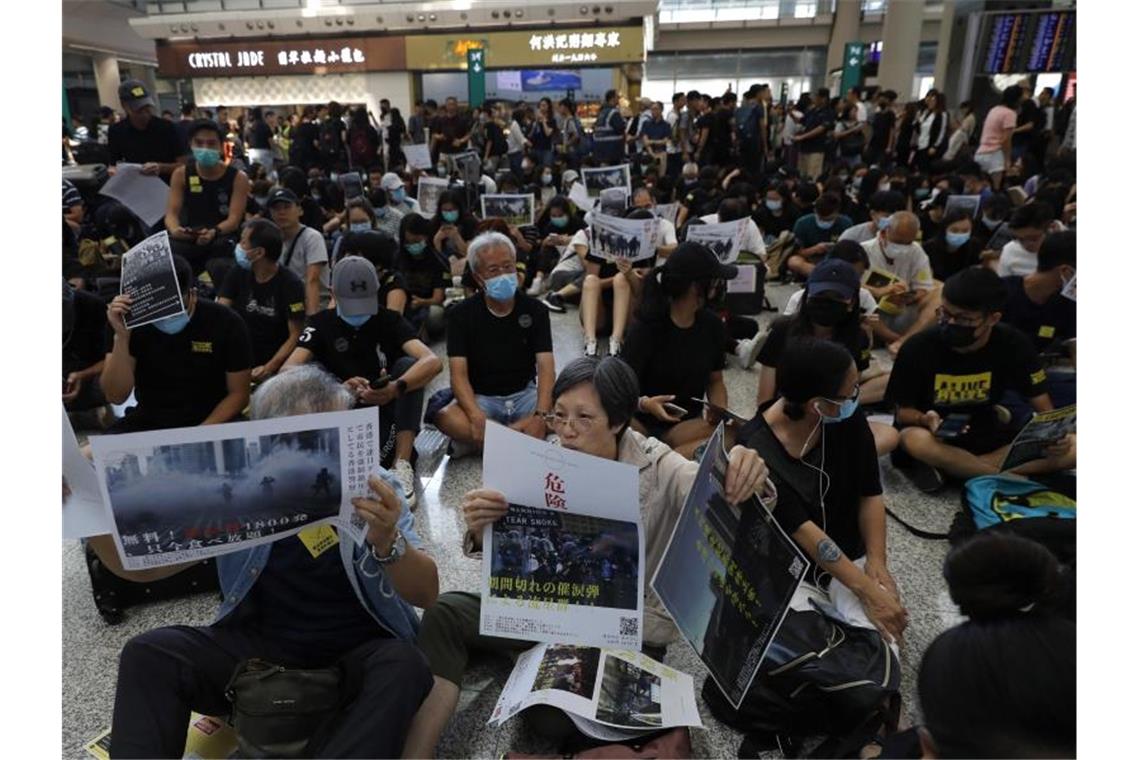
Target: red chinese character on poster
555, 491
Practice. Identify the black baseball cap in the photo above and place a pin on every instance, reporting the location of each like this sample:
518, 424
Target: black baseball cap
282, 195
134, 95
833, 276
693, 261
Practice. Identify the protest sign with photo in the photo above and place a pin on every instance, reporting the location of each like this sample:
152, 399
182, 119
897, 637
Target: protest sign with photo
599, 178
724, 238
582, 199
186, 494
428, 190
1041, 432
144, 194
617, 239
727, 576
566, 563
148, 277
512, 209
668, 211
1070, 289
968, 203
417, 155
83, 513
610, 694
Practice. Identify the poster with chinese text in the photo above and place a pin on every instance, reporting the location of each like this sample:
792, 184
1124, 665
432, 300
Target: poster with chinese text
148, 277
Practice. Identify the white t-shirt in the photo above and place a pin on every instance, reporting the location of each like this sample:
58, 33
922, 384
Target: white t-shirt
867, 302
307, 247
671, 146
666, 232
861, 112
860, 233
910, 264
753, 241
1015, 260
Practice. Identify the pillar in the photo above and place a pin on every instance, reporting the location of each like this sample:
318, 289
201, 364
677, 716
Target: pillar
942, 57
844, 29
902, 31
107, 80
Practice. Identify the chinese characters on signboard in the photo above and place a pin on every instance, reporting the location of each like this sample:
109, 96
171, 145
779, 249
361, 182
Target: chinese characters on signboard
581, 42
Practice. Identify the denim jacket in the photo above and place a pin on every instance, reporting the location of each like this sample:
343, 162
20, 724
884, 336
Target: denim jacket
238, 572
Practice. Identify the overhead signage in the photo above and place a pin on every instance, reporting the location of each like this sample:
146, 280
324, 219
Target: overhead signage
529, 49
282, 56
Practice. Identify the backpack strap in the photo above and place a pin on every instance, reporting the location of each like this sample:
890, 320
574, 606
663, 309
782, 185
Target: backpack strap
918, 532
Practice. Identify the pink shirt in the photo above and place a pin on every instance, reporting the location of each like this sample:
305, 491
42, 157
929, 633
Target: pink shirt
999, 119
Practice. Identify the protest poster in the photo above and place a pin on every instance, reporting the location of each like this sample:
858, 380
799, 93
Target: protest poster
581, 197
1070, 289
668, 211
1041, 432
723, 238
610, 694
617, 239
145, 195
186, 494
566, 563
743, 282
428, 190
148, 277
83, 513
615, 198
968, 203
207, 738
599, 178
727, 576
512, 209
417, 155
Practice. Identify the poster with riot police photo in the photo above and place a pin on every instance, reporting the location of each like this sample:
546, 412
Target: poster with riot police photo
148, 277
601, 178
619, 239
724, 239
512, 209
428, 190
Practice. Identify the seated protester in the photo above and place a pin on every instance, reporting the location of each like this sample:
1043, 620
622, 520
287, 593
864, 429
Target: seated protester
1029, 225
882, 204
849, 206
381, 250
399, 204
608, 293
495, 224
269, 298
84, 343
500, 352
909, 304
73, 207
452, 228
358, 216
426, 274
954, 248
816, 234
732, 209
804, 196
666, 231
377, 356
189, 369
206, 205
931, 214
775, 215
822, 460
594, 400
292, 178
1035, 305
296, 607
831, 312
855, 255
569, 274
676, 347
702, 199
303, 249
555, 226
963, 367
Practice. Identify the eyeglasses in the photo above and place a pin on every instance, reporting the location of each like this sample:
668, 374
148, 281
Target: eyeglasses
853, 397
946, 318
581, 424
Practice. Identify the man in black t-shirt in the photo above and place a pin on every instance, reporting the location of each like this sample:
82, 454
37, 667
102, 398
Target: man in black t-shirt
1037, 305
270, 298
84, 326
500, 351
141, 138
812, 141
948, 379
377, 356
189, 369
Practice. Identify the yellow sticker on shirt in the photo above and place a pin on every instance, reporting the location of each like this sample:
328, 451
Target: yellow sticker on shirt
962, 389
296, 308
1046, 331
1037, 377
319, 539
201, 347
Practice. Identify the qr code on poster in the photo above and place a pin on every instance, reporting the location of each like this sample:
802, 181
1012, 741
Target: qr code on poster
627, 626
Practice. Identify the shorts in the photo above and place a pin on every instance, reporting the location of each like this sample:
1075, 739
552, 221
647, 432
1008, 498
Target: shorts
992, 162
507, 410
901, 322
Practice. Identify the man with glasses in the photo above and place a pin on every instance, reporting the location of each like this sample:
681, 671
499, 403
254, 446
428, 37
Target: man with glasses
947, 380
500, 352
1029, 225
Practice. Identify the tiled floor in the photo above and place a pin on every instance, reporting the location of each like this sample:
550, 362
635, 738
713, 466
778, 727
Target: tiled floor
91, 648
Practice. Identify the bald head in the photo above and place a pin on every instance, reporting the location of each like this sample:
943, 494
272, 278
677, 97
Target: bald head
903, 228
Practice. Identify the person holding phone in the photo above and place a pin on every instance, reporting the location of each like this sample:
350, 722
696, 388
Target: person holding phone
963, 366
909, 304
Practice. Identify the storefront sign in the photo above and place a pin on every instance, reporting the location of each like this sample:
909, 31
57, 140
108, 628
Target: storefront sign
586, 47
299, 56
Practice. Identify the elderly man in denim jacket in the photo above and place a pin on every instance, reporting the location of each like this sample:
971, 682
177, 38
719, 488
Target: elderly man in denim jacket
296, 604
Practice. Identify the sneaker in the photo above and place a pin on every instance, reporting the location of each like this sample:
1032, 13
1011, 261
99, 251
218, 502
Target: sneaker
535, 286
747, 350
591, 348
407, 477
924, 477
615, 346
554, 302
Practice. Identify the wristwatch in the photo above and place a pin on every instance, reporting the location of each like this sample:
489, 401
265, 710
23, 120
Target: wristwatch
399, 547
401, 387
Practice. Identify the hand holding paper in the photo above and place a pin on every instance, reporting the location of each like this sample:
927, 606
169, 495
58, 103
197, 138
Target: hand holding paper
481, 507
380, 513
745, 475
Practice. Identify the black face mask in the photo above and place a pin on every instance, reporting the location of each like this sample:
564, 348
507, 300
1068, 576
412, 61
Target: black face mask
826, 312
957, 336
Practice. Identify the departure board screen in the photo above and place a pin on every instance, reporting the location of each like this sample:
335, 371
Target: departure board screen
1014, 43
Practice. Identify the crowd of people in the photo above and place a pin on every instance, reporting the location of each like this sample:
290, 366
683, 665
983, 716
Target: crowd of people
313, 280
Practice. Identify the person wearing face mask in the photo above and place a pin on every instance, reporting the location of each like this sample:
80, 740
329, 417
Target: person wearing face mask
141, 138
1028, 225
817, 233
358, 216
500, 352
822, 460
452, 228
398, 204
206, 205
882, 204
375, 353
185, 370
774, 215
909, 303
963, 366
666, 231
269, 298
830, 311
955, 248
560, 267
594, 401
381, 250
702, 199
426, 273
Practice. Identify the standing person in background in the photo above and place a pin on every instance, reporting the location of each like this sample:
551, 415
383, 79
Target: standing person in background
259, 140
305, 147
933, 132
655, 137
905, 133
879, 147
609, 132
960, 140
849, 136
675, 149
1030, 123
141, 138
516, 141
811, 143
451, 132
687, 126
332, 140
995, 148
396, 131
723, 136
363, 140
416, 124
544, 133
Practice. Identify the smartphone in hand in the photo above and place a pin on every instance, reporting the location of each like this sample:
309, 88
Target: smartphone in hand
674, 409
953, 426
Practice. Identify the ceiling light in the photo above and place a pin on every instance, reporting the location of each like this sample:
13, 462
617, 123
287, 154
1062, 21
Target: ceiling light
421, 17
518, 13
597, 10
193, 27
185, 28
431, 17
299, 23
260, 24
549, 11
583, 10
173, 29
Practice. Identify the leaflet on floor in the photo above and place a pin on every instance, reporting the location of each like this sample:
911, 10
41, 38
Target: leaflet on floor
566, 563
1041, 432
145, 195
83, 513
724, 238
428, 191
617, 239
417, 155
512, 209
207, 738
727, 576
599, 178
581, 197
148, 277
610, 694
186, 494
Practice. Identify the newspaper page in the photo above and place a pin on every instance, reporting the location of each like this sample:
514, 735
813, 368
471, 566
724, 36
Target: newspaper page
617, 239
144, 195
599, 178
566, 563
727, 576
723, 238
83, 513
512, 209
1041, 432
185, 494
1070, 289
427, 193
668, 211
968, 203
417, 155
581, 197
610, 694
207, 738
148, 277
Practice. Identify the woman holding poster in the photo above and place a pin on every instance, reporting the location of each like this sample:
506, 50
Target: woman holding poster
594, 402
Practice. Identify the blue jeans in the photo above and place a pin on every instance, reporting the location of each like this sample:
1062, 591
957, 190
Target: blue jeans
507, 410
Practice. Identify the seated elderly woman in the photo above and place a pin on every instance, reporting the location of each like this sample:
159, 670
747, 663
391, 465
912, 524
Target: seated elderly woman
594, 401
352, 605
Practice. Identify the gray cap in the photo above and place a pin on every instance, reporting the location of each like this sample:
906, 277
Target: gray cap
355, 285
133, 94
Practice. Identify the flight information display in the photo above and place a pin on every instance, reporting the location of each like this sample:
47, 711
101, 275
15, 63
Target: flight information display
1015, 43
